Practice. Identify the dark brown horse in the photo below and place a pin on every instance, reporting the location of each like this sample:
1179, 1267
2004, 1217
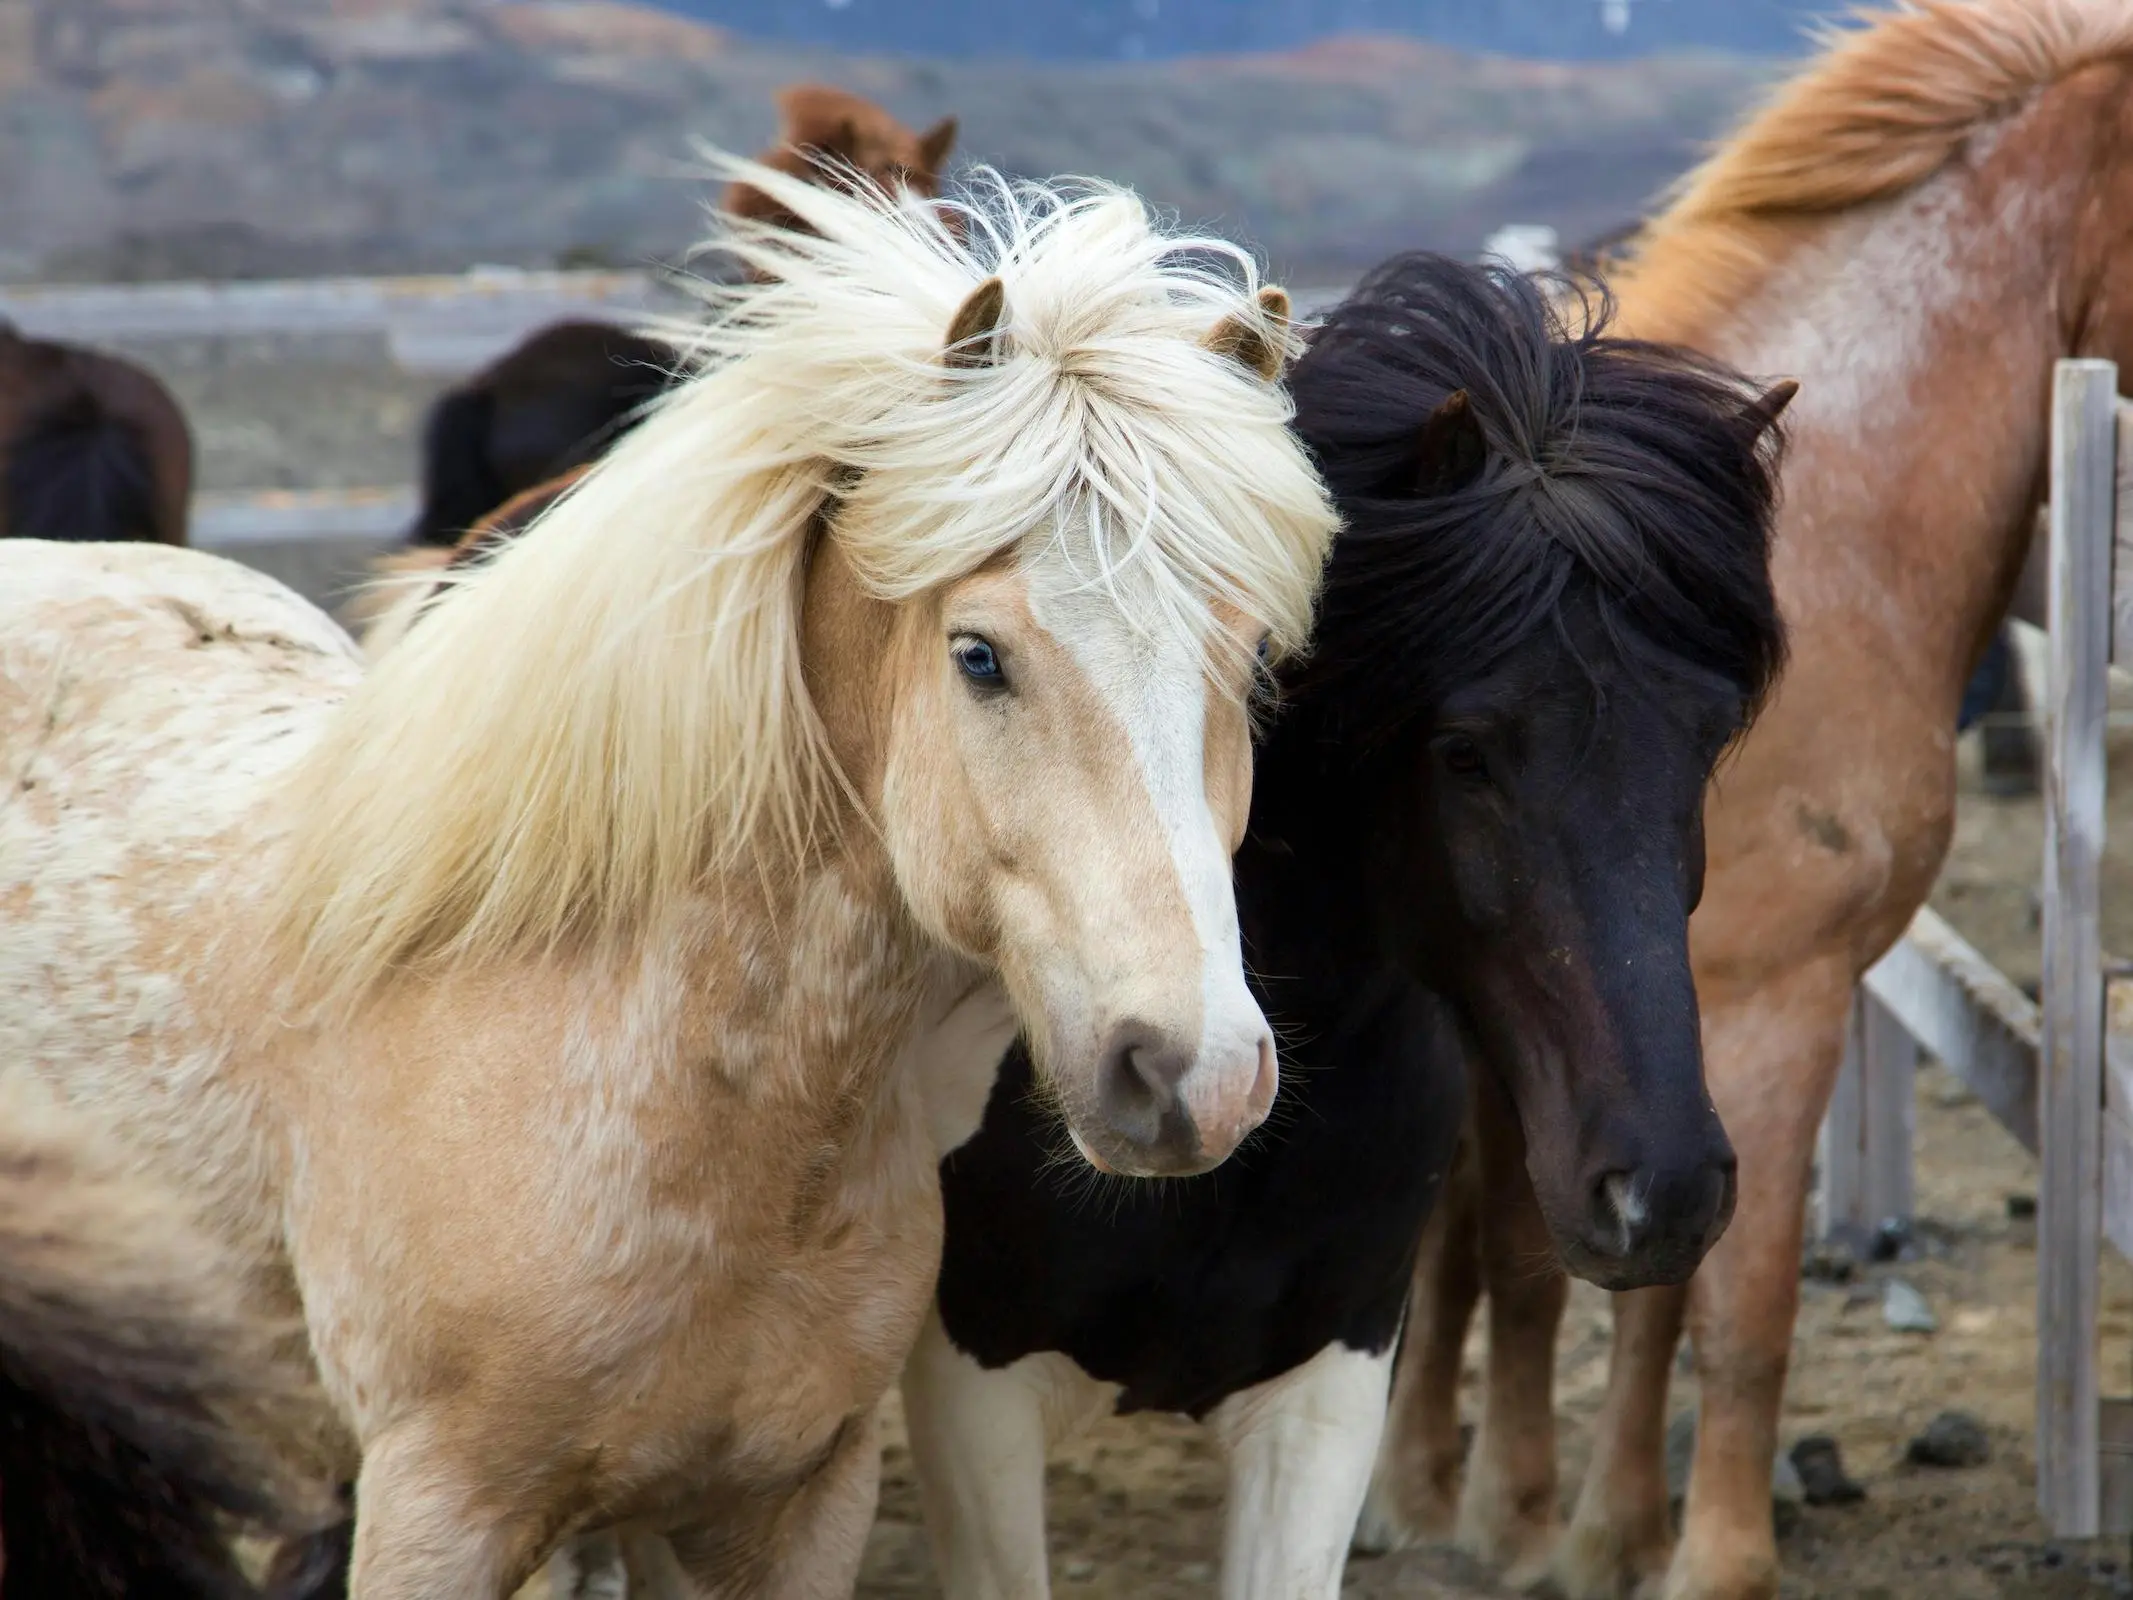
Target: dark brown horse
132, 1388
91, 446
555, 402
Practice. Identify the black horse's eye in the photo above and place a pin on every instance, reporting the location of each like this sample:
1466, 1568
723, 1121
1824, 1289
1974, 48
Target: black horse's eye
979, 663
1266, 647
1462, 756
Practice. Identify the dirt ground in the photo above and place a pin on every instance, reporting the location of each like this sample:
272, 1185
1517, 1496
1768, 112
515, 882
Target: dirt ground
1136, 1503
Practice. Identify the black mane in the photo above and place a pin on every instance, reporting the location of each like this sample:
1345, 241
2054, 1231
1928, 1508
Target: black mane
1637, 472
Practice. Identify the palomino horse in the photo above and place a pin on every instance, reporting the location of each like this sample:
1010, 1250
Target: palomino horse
538, 1012
1918, 226
91, 446
131, 1379
1547, 612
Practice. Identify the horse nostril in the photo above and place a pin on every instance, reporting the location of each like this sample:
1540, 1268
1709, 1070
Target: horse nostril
1623, 1208
1138, 1082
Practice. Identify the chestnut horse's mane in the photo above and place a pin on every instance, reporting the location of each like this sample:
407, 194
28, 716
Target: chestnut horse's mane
1882, 109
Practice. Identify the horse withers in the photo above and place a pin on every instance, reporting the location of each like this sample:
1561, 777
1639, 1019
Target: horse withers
92, 446
538, 1013
1474, 838
1918, 226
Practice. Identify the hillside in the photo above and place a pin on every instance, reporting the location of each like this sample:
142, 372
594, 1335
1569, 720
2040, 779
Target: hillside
146, 138
1043, 30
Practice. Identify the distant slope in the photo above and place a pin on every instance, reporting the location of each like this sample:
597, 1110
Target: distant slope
1050, 30
144, 138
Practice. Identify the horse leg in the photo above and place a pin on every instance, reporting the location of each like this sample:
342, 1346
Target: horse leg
1300, 1448
1773, 1068
978, 1441
1621, 1533
814, 1543
433, 1521
1510, 1513
1416, 1484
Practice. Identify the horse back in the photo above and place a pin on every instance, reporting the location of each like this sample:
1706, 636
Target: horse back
149, 700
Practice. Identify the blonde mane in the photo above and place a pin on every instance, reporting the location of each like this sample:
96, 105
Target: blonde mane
611, 712
1882, 109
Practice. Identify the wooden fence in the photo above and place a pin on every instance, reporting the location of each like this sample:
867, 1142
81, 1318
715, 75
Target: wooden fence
444, 324
2058, 1074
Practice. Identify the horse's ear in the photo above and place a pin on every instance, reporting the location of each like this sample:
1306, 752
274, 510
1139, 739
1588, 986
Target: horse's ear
1450, 450
1255, 343
1762, 412
977, 333
934, 145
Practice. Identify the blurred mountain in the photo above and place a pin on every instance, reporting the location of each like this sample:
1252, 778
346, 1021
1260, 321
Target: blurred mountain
1048, 30
155, 138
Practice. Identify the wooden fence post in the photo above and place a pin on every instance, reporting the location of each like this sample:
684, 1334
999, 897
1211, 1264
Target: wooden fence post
1867, 1134
2070, 1081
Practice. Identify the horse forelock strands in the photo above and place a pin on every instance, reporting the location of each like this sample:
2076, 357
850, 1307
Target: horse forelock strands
590, 725
1883, 107
1636, 471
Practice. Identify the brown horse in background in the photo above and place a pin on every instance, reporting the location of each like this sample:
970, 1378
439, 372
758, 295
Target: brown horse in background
1918, 227
828, 135
92, 447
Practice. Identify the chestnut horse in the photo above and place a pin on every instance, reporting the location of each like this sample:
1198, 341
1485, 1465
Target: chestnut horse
568, 391
1919, 226
536, 1014
131, 1379
92, 446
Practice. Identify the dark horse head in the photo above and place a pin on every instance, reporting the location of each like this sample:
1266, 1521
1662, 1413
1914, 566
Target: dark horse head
1548, 614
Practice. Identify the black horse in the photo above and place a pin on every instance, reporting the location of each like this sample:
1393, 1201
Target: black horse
1475, 838
555, 401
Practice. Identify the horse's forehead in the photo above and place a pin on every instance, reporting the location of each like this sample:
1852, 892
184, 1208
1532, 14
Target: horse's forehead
1114, 620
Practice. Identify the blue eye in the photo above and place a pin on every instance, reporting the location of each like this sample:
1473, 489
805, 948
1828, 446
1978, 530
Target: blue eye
1266, 642
980, 663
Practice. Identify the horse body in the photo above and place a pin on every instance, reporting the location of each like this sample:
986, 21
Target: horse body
1918, 229
1473, 837
95, 447
543, 1012
559, 1203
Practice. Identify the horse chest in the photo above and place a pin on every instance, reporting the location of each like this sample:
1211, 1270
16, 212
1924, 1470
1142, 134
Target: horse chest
1187, 1292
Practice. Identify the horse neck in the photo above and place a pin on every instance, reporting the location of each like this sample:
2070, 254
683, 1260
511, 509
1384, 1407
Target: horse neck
804, 984
1923, 329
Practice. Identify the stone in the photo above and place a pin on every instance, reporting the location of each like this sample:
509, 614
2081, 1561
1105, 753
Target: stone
1830, 1261
1891, 1241
1787, 1492
1904, 1309
2022, 1207
1952, 1439
1680, 1451
1823, 1480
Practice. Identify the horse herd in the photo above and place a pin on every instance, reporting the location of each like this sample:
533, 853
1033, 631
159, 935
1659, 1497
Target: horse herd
995, 814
